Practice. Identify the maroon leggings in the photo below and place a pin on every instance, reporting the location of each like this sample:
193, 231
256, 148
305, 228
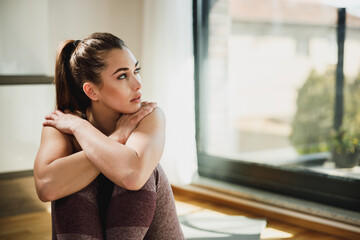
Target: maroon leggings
103, 210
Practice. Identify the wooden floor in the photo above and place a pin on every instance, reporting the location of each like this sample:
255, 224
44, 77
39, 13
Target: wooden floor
273, 230
23, 217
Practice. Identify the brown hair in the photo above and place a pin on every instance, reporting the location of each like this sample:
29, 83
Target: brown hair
77, 62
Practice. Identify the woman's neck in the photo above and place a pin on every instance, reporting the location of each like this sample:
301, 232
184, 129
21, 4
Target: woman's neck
105, 121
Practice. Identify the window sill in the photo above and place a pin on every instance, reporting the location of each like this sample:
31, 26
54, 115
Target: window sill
307, 214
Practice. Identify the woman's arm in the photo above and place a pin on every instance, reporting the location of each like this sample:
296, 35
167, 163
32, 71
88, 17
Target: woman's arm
57, 171
148, 141
128, 165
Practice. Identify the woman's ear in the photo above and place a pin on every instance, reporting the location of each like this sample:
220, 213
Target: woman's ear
91, 91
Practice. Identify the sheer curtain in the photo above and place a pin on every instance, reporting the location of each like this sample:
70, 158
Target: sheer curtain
168, 78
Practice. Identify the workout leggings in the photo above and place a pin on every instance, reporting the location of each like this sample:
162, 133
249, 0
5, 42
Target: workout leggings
103, 210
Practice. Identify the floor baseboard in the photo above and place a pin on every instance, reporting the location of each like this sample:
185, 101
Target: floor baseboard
17, 174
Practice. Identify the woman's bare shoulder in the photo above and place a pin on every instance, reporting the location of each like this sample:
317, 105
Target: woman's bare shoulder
159, 113
156, 117
55, 142
152, 123
52, 134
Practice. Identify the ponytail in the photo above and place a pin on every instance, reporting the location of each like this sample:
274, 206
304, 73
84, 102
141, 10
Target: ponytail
69, 94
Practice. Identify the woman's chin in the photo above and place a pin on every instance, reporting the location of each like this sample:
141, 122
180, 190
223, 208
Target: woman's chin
132, 109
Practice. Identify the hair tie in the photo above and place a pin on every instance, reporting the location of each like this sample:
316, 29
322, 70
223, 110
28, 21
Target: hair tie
76, 43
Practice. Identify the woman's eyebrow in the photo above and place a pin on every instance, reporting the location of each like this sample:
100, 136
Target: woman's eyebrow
120, 69
125, 69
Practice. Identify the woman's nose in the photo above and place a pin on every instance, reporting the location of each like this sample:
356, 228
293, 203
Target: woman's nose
136, 83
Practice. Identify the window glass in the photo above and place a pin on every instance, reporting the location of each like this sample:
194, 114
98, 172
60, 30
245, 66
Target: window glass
269, 89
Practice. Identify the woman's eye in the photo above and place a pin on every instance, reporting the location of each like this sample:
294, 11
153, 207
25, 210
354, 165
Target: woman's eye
122, 76
137, 70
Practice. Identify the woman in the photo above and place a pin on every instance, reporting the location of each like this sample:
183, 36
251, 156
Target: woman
98, 160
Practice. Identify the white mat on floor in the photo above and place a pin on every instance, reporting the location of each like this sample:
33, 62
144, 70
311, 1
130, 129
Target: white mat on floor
200, 226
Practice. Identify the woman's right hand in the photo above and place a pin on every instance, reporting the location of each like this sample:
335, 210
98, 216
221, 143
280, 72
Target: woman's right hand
128, 122
65, 122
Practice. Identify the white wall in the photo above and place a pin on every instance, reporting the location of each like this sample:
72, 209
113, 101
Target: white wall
23, 37
22, 111
30, 31
69, 19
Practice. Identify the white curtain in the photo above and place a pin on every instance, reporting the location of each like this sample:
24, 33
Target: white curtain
168, 78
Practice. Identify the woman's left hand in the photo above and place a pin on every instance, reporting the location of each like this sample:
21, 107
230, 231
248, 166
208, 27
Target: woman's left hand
65, 122
128, 122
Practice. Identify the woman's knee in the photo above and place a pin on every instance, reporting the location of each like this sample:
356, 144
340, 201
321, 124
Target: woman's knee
133, 207
131, 213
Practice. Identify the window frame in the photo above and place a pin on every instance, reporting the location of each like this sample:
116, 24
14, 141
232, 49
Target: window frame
296, 182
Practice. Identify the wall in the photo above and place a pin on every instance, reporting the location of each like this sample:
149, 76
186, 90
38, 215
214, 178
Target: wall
22, 111
30, 31
70, 19
23, 37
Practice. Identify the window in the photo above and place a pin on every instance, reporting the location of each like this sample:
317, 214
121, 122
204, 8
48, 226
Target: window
277, 84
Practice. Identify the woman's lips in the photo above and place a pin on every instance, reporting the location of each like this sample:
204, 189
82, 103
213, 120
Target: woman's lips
136, 100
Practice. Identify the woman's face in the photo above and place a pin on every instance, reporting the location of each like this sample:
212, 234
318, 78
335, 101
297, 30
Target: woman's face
121, 82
